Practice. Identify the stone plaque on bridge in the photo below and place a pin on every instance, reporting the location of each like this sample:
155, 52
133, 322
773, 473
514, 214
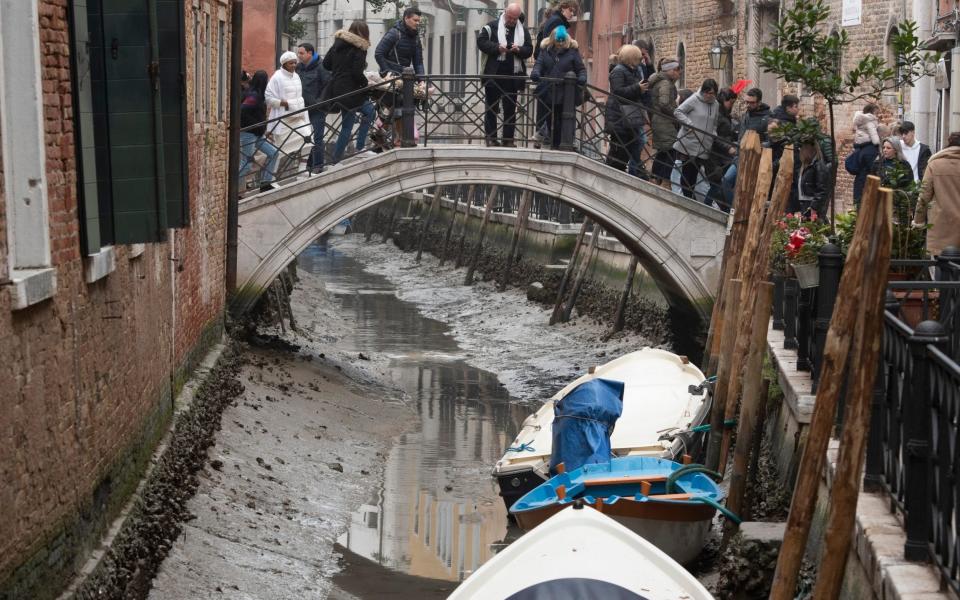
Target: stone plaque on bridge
702, 247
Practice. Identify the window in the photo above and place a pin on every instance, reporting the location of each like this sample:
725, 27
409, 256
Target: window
129, 100
458, 60
24, 155
197, 70
222, 71
208, 110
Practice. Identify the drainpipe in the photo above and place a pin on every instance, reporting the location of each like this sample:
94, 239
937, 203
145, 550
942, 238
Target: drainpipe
233, 156
955, 88
921, 97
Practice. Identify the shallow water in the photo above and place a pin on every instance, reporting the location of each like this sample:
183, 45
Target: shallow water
437, 514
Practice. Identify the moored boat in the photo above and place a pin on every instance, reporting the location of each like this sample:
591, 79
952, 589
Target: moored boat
664, 398
670, 505
580, 553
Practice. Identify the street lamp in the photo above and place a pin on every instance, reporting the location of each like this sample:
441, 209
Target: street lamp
718, 57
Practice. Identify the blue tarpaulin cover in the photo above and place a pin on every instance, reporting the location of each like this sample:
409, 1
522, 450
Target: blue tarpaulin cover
582, 423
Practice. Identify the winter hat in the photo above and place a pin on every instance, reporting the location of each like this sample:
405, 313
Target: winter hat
287, 57
560, 33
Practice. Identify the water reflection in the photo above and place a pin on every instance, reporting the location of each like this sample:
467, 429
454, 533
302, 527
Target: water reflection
438, 514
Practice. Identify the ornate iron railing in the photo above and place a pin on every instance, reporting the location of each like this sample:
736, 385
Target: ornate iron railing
447, 109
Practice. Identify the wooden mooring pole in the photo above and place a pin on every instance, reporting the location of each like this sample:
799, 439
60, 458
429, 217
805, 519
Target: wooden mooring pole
751, 402
621, 316
487, 209
518, 226
393, 217
581, 274
463, 233
718, 409
374, 214
434, 207
453, 219
562, 288
862, 258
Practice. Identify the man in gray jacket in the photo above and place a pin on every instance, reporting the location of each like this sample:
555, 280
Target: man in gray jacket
698, 117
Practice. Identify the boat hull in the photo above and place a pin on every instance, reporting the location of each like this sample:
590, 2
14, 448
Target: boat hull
514, 486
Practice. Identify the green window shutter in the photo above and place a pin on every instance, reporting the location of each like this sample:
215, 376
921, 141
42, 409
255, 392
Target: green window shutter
170, 15
133, 121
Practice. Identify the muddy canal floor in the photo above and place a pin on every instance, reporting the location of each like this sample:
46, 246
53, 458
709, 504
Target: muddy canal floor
358, 466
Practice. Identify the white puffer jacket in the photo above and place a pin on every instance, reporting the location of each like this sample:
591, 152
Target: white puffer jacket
865, 129
291, 131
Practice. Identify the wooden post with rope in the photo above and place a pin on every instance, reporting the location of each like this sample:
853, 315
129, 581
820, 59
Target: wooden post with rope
562, 288
869, 240
487, 209
518, 226
718, 407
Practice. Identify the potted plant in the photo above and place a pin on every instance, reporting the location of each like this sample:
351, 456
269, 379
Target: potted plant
796, 242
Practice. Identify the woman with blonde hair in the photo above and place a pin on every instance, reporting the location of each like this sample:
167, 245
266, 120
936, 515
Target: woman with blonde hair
625, 118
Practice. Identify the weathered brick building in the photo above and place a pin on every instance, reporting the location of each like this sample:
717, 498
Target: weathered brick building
113, 199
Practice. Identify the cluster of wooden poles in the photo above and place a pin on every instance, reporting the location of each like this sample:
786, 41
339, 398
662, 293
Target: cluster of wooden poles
573, 277
736, 346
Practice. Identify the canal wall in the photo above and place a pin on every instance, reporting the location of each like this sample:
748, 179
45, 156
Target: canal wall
876, 568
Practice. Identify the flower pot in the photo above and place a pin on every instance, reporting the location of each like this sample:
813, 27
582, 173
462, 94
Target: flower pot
807, 275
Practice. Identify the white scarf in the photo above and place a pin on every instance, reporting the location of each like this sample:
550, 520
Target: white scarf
912, 154
524, 36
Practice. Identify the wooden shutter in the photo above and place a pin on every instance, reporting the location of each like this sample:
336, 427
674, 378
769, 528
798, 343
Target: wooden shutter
170, 15
129, 44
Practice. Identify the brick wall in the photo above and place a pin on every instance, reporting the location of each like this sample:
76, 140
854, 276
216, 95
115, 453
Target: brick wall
89, 375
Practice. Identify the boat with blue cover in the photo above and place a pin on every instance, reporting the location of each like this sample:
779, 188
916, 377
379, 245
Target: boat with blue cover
671, 505
665, 402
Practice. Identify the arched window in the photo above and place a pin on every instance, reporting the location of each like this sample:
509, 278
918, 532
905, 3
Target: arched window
890, 53
682, 59
838, 65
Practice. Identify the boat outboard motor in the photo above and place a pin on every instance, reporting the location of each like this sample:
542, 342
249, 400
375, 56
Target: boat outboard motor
582, 423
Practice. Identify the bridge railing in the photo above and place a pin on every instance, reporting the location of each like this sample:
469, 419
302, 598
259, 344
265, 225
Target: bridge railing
451, 109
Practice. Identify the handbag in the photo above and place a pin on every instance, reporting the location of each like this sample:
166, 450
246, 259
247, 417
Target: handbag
633, 116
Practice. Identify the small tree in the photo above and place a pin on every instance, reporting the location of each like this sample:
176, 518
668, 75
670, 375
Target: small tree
807, 54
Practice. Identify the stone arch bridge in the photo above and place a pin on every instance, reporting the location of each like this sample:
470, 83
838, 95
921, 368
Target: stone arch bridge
678, 241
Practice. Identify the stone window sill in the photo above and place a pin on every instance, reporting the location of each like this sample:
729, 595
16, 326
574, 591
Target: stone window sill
32, 286
136, 250
99, 265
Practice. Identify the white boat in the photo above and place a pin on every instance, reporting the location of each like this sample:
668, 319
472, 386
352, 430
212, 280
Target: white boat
580, 553
664, 398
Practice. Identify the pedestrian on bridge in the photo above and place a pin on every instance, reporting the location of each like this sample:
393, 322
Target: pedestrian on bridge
346, 61
401, 48
939, 203
253, 114
559, 55
625, 116
289, 126
553, 17
698, 127
505, 45
663, 101
313, 79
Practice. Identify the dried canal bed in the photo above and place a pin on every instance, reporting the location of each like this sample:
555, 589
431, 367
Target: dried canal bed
361, 467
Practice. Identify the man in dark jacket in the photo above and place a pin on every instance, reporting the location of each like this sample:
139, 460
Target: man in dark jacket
787, 112
505, 46
916, 153
756, 117
400, 46
313, 79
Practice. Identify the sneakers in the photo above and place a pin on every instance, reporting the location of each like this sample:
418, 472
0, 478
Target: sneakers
267, 186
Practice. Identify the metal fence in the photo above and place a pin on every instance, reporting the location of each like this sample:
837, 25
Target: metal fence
451, 109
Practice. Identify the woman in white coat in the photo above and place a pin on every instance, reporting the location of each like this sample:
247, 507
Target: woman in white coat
284, 95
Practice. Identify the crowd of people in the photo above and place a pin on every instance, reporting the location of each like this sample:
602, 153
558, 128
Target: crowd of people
693, 135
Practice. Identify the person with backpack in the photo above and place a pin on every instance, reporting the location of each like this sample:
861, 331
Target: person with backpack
553, 17
559, 55
346, 60
401, 48
625, 116
313, 80
253, 113
505, 45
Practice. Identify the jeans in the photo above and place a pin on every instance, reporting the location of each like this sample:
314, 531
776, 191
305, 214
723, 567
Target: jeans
867, 155
318, 120
500, 93
367, 113
663, 164
689, 173
728, 185
624, 149
635, 166
249, 144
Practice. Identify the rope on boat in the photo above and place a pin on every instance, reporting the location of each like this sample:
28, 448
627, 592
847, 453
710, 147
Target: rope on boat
695, 468
729, 423
521, 448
